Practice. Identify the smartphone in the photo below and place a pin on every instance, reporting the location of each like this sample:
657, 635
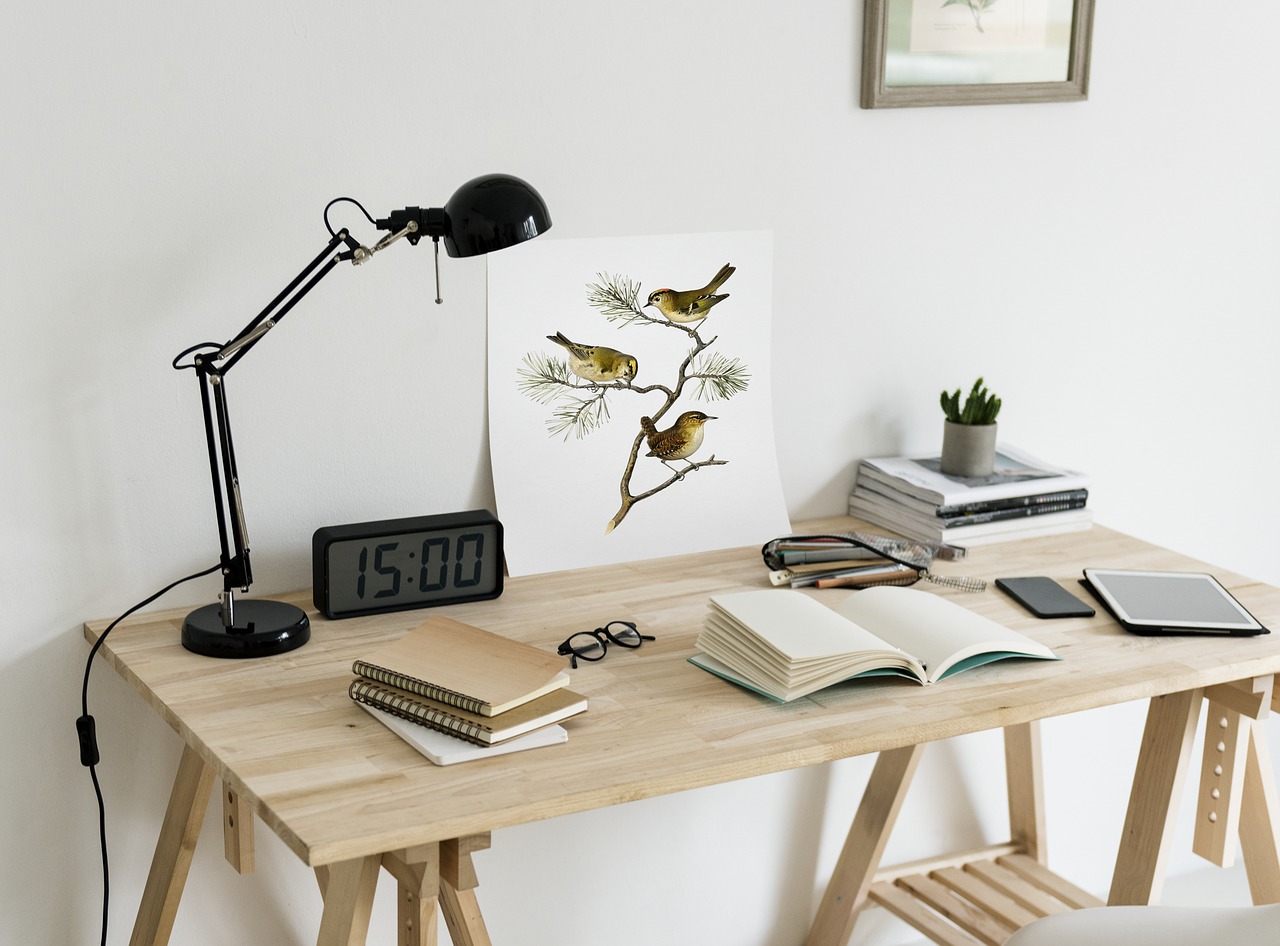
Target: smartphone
1044, 597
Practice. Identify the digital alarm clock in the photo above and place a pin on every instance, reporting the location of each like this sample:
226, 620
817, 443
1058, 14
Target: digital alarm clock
398, 564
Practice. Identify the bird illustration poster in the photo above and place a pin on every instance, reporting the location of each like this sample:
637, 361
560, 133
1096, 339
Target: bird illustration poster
630, 414
950, 26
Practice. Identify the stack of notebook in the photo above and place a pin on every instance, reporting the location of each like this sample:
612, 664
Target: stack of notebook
457, 692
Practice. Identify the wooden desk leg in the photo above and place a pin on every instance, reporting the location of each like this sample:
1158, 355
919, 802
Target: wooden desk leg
1153, 801
1024, 776
348, 901
1260, 821
417, 870
847, 890
457, 891
174, 850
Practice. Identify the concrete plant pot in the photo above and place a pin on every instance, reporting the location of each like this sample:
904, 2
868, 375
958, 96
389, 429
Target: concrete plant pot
968, 449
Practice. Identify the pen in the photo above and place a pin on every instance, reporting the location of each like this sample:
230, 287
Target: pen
802, 580
816, 578
862, 576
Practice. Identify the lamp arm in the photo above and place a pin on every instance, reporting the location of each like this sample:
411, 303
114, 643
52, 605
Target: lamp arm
233, 539
485, 214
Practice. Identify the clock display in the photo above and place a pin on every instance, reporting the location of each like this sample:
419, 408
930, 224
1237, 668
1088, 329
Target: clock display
396, 564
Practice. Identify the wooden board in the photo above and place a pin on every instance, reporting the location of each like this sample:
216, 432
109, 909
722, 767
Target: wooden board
282, 734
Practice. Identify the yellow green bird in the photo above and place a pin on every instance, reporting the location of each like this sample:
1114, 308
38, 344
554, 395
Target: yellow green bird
690, 305
595, 363
679, 441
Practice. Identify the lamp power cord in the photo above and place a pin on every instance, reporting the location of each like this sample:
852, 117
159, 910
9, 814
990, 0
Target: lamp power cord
86, 730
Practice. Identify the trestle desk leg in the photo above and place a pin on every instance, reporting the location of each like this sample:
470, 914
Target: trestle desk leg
1024, 775
348, 901
174, 850
457, 891
1153, 801
1260, 821
847, 890
417, 873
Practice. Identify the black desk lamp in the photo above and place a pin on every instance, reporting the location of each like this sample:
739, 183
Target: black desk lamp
485, 214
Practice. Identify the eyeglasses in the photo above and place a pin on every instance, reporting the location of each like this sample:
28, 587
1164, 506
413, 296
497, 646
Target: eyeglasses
591, 645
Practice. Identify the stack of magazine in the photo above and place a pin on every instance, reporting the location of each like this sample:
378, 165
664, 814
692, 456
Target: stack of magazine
1022, 497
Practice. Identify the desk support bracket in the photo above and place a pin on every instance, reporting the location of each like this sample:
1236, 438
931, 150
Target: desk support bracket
237, 831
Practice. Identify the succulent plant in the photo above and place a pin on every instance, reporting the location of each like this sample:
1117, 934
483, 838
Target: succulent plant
980, 407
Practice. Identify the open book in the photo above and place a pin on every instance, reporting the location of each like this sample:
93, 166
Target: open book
784, 644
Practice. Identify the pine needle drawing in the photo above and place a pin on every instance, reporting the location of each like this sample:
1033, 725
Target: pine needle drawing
578, 387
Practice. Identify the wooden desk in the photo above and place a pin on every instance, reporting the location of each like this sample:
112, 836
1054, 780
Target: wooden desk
290, 747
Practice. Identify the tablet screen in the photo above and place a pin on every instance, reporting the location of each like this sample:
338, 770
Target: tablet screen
1170, 599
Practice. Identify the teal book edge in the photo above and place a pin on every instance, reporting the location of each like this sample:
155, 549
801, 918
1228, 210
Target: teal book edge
714, 667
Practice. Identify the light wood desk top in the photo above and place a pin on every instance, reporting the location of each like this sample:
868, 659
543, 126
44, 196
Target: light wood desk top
336, 785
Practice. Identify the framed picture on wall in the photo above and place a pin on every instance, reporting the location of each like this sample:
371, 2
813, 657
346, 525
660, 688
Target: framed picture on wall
975, 52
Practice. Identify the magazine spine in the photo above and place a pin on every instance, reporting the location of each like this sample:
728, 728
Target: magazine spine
1034, 501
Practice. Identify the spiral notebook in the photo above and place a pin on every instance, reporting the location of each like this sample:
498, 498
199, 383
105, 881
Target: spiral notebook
465, 666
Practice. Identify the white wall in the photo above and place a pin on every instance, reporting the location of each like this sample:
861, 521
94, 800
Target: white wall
1110, 267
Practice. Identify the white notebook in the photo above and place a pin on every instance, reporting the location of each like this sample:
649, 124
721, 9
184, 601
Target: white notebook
446, 750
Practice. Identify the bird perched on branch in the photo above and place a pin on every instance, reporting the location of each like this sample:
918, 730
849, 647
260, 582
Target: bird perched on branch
690, 305
596, 363
677, 442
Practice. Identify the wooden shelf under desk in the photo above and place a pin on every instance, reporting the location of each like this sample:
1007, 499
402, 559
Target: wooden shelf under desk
979, 899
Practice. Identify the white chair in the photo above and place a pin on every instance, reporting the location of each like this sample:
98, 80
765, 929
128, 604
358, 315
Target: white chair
1155, 926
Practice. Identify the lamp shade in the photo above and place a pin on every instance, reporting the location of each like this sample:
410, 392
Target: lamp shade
491, 212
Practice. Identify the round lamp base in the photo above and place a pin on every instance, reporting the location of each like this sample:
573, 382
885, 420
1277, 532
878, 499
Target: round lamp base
262, 628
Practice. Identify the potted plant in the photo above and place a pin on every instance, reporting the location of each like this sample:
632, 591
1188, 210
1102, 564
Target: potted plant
969, 435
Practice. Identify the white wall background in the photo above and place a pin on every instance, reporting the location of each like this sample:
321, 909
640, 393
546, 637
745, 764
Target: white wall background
1110, 267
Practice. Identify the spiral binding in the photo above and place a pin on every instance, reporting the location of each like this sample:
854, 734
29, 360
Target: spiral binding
421, 687
404, 706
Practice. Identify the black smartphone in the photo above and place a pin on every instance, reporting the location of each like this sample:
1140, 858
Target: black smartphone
1044, 597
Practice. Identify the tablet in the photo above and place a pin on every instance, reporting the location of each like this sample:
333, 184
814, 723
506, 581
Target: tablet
1170, 602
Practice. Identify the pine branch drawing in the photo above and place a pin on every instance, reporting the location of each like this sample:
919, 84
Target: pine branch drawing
578, 387
976, 7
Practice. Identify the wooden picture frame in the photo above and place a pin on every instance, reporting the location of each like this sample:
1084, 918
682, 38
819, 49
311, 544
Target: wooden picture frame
937, 52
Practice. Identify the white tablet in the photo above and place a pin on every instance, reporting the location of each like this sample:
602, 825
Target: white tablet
1170, 602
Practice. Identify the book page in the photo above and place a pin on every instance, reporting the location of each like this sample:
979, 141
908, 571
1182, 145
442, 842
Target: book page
795, 626
935, 630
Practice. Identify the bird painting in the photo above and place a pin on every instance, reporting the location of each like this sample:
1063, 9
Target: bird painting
678, 442
596, 363
580, 389
690, 305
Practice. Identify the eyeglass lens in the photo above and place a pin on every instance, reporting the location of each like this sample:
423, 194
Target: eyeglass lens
586, 645
622, 633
